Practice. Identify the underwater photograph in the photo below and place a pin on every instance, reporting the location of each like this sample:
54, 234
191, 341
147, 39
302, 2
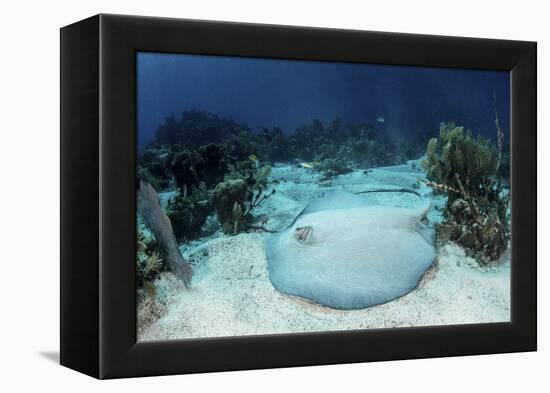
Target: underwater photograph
283, 196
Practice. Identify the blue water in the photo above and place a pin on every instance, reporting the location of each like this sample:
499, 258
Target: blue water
288, 93
340, 252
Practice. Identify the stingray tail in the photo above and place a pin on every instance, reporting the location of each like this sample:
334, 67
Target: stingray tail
424, 228
409, 190
423, 210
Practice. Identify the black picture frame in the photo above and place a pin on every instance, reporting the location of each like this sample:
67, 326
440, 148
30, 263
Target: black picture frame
98, 216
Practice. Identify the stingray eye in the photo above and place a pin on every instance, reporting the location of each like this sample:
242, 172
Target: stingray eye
302, 233
425, 220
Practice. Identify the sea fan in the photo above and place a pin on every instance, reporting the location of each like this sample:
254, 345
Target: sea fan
154, 217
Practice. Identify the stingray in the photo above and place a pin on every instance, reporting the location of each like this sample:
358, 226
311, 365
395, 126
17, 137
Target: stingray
346, 253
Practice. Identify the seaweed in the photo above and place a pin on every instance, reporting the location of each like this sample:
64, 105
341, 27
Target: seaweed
203, 147
331, 167
196, 128
459, 158
360, 145
466, 169
228, 199
149, 261
155, 166
267, 145
188, 211
206, 164
235, 198
144, 174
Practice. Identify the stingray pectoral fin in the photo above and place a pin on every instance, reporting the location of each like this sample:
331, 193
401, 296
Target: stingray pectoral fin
335, 200
426, 232
354, 258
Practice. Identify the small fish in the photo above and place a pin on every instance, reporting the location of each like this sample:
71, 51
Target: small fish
380, 119
255, 160
306, 165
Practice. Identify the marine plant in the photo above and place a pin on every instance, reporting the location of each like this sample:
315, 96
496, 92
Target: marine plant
149, 264
457, 159
332, 167
267, 145
196, 128
203, 147
363, 145
150, 261
143, 173
228, 199
466, 169
188, 211
235, 198
206, 164
154, 166
277, 145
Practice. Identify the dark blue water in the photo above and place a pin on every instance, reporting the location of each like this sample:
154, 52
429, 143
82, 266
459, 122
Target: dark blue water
288, 93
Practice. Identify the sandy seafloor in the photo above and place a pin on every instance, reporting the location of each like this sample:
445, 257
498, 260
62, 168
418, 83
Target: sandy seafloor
232, 295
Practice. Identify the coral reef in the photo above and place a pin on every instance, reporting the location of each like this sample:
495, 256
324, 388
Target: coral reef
148, 258
267, 145
188, 211
466, 169
458, 159
235, 198
206, 164
331, 167
154, 166
202, 147
228, 199
216, 164
196, 128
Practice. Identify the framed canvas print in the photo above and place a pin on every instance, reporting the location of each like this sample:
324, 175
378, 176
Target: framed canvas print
239, 196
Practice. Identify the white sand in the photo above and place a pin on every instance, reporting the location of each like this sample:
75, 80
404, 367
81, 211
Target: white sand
232, 294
